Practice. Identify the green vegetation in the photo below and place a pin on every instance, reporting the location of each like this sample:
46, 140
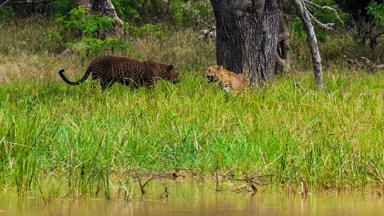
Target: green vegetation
330, 138
57, 140
62, 140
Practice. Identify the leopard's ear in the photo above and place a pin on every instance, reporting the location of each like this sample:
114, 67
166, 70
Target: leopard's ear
221, 67
170, 67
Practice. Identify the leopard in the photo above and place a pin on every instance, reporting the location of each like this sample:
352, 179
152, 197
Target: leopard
119, 69
228, 80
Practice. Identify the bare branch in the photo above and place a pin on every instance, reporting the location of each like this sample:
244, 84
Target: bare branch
325, 8
378, 35
4, 3
312, 41
365, 64
328, 26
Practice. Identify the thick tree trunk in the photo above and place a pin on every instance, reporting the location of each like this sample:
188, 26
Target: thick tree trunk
106, 8
312, 41
247, 36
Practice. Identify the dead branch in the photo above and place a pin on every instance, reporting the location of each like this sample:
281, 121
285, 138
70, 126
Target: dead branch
165, 193
325, 8
312, 41
4, 3
327, 26
142, 185
364, 63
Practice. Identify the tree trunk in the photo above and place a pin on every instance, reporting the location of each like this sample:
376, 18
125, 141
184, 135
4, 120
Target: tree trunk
106, 8
247, 36
312, 41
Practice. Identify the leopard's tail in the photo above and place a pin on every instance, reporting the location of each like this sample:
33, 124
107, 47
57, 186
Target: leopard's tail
83, 79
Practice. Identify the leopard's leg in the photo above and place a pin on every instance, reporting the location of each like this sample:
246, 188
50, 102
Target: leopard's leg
94, 82
93, 85
225, 86
104, 84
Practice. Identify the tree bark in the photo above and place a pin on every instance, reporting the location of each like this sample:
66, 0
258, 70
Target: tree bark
106, 8
312, 41
247, 36
283, 52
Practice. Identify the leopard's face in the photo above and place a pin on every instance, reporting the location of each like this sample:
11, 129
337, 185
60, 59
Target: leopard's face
227, 80
174, 75
165, 72
211, 74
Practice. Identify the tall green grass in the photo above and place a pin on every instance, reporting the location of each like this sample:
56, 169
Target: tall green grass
330, 138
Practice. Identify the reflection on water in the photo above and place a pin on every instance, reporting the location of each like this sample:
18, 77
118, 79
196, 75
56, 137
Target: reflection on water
187, 199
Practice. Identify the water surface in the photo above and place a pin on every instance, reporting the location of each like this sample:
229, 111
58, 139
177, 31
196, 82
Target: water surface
190, 200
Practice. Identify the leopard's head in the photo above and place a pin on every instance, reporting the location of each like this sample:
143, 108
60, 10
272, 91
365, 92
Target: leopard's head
164, 71
172, 74
211, 74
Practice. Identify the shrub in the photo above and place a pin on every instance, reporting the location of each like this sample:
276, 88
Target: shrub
6, 13
376, 10
81, 32
63, 7
82, 23
147, 30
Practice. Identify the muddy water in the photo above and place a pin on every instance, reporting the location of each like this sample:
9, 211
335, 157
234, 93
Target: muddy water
201, 200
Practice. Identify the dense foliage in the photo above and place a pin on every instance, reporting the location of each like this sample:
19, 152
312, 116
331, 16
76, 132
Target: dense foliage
366, 19
362, 18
